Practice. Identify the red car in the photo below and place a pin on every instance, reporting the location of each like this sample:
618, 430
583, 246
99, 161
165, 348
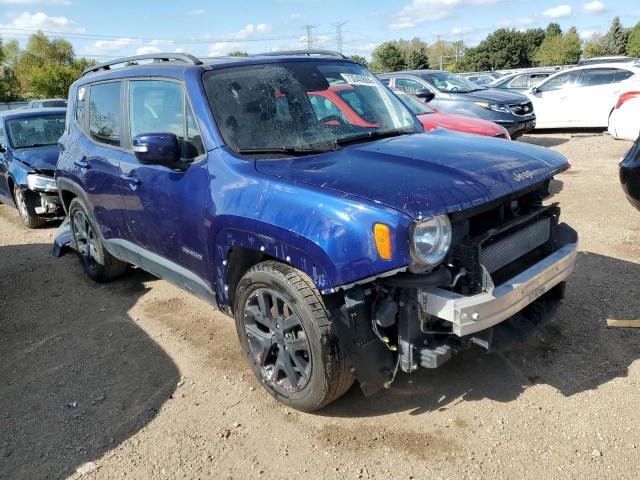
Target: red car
432, 118
339, 104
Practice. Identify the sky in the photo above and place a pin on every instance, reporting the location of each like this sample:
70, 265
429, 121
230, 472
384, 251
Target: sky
209, 28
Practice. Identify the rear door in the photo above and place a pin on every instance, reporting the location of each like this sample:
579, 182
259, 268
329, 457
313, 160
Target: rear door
597, 95
166, 208
98, 152
4, 166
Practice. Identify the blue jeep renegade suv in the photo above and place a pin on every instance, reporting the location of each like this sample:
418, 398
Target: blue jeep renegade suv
344, 252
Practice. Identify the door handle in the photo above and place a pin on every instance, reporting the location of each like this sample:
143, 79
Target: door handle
82, 164
132, 181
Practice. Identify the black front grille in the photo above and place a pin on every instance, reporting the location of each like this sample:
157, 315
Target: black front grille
522, 108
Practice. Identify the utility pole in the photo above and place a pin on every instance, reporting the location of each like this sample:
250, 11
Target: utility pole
309, 36
339, 34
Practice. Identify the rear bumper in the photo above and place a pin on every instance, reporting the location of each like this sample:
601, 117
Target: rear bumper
472, 314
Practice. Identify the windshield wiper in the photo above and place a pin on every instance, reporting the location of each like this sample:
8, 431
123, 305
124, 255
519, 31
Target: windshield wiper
33, 145
285, 150
374, 135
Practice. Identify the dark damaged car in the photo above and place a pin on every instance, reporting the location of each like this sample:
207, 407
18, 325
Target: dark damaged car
28, 155
344, 252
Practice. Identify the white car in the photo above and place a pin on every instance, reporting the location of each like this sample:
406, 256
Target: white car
582, 96
624, 122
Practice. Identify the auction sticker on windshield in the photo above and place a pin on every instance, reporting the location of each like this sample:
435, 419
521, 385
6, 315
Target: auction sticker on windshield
355, 79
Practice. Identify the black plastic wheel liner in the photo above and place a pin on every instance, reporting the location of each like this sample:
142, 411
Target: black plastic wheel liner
372, 361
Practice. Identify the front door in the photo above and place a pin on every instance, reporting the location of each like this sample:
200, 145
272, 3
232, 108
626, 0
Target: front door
553, 100
165, 208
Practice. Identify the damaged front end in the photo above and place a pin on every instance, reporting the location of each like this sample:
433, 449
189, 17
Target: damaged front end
502, 277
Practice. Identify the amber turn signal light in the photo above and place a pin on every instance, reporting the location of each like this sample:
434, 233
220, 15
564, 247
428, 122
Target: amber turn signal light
382, 234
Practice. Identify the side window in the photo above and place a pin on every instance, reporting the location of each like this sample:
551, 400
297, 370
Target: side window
408, 85
622, 75
520, 81
158, 106
561, 81
104, 112
536, 78
81, 110
592, 77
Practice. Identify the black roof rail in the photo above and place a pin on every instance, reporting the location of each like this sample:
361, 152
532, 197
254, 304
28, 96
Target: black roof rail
159, 57
326, 53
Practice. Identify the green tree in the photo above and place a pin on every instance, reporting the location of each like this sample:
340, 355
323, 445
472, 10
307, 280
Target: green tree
238, 53
502, 49
9, 88
559, 50
442, 53
45, 68
360, 59
533, 38
388, 57
553, 30
417, 56
633, 41
616, 38
596, 46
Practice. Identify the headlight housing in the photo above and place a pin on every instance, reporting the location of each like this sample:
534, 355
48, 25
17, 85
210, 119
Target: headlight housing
430, 240
41, 183
496, 107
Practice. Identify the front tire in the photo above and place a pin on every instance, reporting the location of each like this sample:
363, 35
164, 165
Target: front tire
99, 264
285, 332
25, 206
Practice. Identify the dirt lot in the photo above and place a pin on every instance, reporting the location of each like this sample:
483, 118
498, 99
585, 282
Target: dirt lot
136, 379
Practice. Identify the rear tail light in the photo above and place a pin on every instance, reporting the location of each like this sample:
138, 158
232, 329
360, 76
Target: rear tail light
626, 96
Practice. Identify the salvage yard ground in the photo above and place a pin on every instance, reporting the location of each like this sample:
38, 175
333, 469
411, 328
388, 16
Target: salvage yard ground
136, 379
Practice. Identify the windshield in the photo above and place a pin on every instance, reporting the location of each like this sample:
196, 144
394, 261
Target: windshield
414, 104
35, 131
302, 106
451, 83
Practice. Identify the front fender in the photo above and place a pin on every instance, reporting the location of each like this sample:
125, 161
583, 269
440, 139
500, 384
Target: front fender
18, 172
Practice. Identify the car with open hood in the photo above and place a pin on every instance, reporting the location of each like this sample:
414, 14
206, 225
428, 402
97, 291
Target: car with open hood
343, 251
28, 156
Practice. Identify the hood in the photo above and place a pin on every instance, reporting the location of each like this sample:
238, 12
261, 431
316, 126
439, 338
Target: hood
38, 158
461, 123
424, 174
494, 95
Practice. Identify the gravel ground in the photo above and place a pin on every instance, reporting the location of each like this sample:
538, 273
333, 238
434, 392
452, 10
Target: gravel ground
136, 379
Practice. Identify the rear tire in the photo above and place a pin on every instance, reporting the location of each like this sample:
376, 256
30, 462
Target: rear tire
285, 331
25, 205
99, 264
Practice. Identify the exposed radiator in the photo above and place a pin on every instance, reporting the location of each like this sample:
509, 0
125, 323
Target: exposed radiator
504, 251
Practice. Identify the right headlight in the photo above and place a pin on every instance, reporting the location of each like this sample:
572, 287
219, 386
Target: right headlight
430, 240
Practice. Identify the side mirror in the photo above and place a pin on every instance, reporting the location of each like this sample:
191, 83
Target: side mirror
158, 149
534, 90
426, 94
2, 149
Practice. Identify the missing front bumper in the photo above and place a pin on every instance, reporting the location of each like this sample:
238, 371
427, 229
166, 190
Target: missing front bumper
472, 314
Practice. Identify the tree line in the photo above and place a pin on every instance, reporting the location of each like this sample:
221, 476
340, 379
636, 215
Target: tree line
506, 49
45, 68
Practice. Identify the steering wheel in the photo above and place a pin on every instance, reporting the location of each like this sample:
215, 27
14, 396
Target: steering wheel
454, 89
333, 120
